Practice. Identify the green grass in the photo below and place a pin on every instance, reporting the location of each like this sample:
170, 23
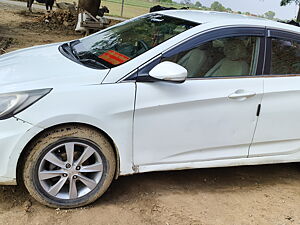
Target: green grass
129, 10
140, 3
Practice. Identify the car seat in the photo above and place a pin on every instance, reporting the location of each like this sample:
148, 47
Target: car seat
234, 63
193, 61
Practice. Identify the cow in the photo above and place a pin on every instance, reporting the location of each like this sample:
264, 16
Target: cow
102, 10
49, 4
160, 8
92, 6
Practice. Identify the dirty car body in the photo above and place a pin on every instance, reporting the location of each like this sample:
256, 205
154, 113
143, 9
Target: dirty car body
168, 90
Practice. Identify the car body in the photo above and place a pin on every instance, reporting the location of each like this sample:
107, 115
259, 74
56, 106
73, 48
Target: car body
164, 124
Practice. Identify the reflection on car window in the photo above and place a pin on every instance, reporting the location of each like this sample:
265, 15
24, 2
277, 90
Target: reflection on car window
234, 56
285, 57
124, 42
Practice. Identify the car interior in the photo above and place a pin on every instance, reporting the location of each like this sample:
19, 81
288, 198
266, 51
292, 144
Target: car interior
285, 57
222, 57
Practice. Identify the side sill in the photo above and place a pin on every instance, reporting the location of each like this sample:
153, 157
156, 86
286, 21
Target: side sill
263, 160
6, 181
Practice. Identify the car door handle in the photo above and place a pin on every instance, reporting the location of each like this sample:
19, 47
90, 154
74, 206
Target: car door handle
241, 94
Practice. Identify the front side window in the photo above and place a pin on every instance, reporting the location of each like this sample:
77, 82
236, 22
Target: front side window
285, 57
233, 56
124, 42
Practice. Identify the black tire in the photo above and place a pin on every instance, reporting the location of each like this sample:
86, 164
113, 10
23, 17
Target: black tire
64, 134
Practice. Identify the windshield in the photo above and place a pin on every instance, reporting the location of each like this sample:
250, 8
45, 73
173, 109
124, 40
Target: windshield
124, 42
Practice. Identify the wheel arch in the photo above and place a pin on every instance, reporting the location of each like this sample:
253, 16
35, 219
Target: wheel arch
26, 149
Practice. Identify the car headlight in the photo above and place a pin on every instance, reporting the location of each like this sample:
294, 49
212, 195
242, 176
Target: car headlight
13, 103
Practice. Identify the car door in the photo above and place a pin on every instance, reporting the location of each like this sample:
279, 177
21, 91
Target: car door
212, 115
278, 128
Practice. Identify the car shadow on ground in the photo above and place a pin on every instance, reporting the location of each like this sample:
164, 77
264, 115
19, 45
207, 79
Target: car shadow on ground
210, 180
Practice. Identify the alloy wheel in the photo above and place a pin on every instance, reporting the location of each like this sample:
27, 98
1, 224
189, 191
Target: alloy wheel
70, 170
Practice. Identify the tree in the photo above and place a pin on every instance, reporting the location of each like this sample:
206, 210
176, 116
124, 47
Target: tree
198, 4
297, 2
270, 15
217, 6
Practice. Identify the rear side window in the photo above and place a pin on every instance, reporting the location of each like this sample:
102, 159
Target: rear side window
285, 57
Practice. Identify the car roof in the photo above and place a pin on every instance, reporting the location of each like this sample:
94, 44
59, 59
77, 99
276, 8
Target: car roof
203, 17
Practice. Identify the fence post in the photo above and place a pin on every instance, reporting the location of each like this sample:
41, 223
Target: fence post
122, 8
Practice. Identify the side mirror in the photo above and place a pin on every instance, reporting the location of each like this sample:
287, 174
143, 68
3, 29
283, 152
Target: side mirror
169, 71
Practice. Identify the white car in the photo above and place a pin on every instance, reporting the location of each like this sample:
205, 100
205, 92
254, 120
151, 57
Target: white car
165, 91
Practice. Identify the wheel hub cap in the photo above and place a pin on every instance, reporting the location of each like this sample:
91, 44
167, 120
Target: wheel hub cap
70, 170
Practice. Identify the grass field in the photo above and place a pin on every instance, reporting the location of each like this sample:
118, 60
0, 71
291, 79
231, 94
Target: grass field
132, 8
129, 10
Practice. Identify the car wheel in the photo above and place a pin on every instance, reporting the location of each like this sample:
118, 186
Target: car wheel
69, 166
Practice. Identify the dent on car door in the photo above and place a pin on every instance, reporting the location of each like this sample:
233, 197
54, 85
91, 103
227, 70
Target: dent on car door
211, 116
278, 129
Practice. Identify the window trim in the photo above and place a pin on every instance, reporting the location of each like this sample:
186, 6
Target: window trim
275, 33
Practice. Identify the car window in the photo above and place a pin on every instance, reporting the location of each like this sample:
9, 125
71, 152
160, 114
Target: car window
233, 56
121, 43
285, 57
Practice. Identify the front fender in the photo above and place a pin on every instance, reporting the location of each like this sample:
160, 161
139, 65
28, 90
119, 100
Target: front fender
106, 107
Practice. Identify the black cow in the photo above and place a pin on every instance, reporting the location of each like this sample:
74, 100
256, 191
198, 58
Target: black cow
92, 6
102, 10
49, 4
160, 8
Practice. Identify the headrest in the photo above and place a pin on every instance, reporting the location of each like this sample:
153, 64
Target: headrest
235, 50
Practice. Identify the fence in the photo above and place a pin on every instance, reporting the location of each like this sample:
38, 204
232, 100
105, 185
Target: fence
131, 8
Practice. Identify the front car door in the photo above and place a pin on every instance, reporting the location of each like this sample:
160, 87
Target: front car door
278, 128
211, 116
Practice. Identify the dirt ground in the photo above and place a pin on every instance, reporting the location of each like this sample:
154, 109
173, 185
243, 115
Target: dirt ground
19, 29
222, 196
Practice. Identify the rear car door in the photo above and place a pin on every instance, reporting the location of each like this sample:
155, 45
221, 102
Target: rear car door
278, 128
211, 116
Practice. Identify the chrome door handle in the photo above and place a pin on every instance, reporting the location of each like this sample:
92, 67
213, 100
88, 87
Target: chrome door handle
241, 94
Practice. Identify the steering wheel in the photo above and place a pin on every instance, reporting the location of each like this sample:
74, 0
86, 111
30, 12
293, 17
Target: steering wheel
141, 47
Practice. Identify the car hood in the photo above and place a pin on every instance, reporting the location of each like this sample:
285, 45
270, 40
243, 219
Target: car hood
44, 67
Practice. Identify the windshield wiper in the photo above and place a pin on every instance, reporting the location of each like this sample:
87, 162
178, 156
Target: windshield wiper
93, 63
85, 58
